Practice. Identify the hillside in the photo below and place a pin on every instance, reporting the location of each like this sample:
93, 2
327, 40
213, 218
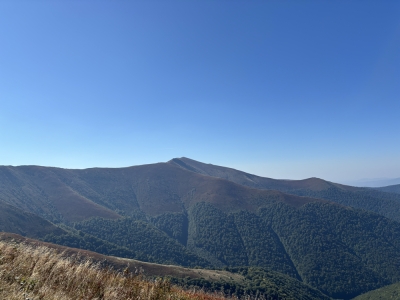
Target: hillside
341, 251
120, 263
388, 292
39, 190
62, 195
390, 189
13, 219
242, 281
381, 201
164, 213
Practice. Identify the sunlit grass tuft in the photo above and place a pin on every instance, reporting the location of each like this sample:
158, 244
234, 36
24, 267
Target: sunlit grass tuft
29, 272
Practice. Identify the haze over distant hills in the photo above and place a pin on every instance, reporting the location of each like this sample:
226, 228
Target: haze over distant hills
374, 182
339, 239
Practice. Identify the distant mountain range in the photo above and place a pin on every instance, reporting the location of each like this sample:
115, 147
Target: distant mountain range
374, 182
339, 239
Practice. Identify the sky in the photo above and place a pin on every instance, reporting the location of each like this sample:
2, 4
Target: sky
282, 89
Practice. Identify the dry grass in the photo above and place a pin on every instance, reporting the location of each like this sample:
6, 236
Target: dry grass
29, 272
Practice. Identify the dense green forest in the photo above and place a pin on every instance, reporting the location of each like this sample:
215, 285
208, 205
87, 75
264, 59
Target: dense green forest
148, 242
341, 251
256, 283
390, 189
385, 204
85, 241
214, 234
388, 292
175, 225
263, 245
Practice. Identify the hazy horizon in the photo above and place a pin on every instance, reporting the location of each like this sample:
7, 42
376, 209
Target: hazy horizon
278, 89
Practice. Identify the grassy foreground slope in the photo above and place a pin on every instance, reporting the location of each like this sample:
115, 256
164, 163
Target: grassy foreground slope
386, 293
34, 268
28, 272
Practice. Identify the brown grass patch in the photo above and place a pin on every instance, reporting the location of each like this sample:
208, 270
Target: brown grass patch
29, 272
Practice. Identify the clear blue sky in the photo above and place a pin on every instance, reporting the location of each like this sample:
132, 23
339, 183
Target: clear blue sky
284, 89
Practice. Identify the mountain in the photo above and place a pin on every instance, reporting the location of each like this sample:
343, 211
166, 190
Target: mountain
390, 189
380, 201
63, 195
240, 282
182, 213
39, 190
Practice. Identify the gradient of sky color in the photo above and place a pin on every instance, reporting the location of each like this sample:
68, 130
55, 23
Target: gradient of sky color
283, 89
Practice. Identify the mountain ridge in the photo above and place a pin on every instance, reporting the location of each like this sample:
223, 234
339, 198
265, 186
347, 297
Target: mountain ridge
376, 200
108, 192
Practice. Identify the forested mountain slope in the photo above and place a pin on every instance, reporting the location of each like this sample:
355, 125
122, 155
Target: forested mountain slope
165, 213
13, 219
390, 189
341, 251
388, 292
382, 201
